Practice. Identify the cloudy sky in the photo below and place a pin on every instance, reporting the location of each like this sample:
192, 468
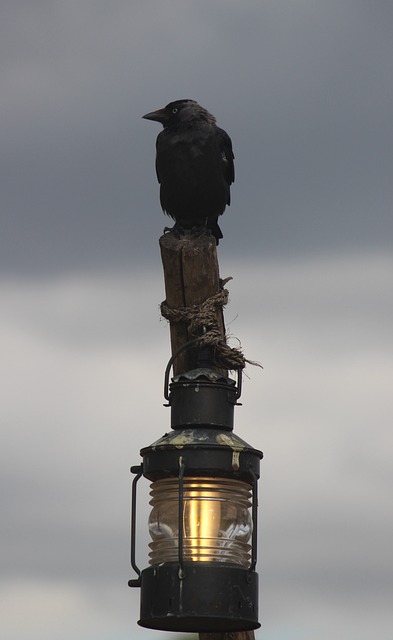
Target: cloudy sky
304, 88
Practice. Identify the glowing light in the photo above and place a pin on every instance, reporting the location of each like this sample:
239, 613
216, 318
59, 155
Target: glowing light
217, 524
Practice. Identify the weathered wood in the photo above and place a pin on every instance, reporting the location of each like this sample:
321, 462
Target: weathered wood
191, 276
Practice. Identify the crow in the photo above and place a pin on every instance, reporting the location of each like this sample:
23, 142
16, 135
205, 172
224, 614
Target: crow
194, 166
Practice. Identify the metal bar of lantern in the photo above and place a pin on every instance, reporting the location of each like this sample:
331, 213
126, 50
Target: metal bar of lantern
138, 470
182, 467
254, 520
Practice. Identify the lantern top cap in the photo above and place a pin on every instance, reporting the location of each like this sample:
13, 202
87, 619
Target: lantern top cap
204, 451
202, 438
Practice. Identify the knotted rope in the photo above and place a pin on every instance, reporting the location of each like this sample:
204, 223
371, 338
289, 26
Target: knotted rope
201, 320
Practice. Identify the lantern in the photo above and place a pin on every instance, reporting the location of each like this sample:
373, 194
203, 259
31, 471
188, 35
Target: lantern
203, 519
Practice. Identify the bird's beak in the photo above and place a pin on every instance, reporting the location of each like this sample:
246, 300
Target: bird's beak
157, 116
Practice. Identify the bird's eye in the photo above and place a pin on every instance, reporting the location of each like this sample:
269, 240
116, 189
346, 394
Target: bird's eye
175, 110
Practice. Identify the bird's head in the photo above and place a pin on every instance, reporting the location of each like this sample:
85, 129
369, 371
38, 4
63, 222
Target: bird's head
180, 112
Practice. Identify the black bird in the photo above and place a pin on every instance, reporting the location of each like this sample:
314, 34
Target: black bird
194, 165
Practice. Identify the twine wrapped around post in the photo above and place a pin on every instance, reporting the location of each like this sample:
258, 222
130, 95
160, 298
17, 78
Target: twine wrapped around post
201, 320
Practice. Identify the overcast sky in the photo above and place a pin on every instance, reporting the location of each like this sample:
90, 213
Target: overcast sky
304, 88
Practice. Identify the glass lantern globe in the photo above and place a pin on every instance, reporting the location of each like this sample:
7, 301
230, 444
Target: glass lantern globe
217, 523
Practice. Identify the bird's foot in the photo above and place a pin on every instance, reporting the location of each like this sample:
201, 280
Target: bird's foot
176, 230
201, 230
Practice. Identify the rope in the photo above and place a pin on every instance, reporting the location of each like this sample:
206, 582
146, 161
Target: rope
201, 320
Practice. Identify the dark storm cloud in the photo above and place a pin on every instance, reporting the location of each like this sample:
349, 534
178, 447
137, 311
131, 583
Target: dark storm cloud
304, 90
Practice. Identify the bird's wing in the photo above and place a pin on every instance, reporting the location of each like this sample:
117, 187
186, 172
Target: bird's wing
225, 144
162, 149
157, 171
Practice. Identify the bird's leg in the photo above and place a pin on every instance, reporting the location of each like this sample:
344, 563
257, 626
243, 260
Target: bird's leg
177, 230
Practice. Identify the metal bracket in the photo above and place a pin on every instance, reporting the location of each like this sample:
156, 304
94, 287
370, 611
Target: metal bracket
185, 346
182, 468
138, 471
254, 540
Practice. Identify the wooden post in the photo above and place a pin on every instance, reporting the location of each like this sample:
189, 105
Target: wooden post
191, 274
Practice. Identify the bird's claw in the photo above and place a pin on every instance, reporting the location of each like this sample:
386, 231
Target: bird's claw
175, 230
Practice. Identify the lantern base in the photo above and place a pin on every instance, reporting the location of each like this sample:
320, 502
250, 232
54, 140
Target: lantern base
210, 597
